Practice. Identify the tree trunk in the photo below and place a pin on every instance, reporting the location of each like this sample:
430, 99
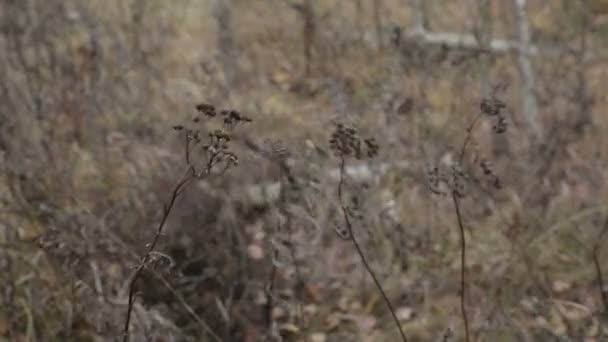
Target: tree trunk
529, 106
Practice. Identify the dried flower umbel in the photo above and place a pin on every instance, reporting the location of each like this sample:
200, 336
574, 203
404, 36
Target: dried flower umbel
455, 180
345, 142
491, 106
214, 149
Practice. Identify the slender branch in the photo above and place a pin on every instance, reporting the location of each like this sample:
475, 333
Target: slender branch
187, 149
291, 180
177, 191
270, 290
468, 138
215, 152
462, 266
598, 269
360, 250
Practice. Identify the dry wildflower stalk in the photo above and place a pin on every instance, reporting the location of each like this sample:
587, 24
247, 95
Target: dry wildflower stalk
598, 269
346, 143
454, 182
215, 151
276, 152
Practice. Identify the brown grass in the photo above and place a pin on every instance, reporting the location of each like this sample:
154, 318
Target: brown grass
88, 156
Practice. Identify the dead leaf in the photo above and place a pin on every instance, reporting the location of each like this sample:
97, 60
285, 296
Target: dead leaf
318, 337
343, 303
281, 79
355, 306
278, 313
310, 309
561, 286
404, 313
365, 323
289, 328
29, 230
572, 311
255, 252
261, 298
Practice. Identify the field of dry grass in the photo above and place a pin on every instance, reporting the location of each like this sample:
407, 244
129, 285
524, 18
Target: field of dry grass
120, 195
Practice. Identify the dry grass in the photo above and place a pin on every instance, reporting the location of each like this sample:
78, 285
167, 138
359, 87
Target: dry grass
88, 156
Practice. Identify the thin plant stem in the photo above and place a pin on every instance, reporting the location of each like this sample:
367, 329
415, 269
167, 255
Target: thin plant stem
360, 250
177, 191
462, 266
468, 137
598, 269
271, 284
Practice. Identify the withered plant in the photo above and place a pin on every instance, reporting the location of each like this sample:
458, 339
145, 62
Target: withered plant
347, 144
206, 153
598, 269
455, 181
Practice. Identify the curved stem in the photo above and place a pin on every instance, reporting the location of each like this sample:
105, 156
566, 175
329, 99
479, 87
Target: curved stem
468, 138
462, 266
360, 251
598, 269
177, 191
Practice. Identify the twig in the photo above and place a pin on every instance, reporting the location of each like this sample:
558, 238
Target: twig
271, 284
598, 269
9, 297
177, 190
468, 137
215, 152
360, 251
462, 266
274, 157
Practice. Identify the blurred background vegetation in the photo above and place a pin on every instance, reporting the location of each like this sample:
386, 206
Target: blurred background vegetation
89, 91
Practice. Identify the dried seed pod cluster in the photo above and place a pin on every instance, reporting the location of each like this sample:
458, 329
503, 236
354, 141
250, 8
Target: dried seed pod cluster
455, 179
354, 210
458, 181
442, 182
215, 149
488, 171
491, 106
346, 142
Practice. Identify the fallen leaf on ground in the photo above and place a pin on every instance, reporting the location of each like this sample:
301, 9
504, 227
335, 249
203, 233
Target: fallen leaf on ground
404, 313
255, 252
318, 337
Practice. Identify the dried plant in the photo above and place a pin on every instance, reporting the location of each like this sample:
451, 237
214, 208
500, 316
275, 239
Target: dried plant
454, 182
277, 153
81, 169
346, 143
598, 269
216, 153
